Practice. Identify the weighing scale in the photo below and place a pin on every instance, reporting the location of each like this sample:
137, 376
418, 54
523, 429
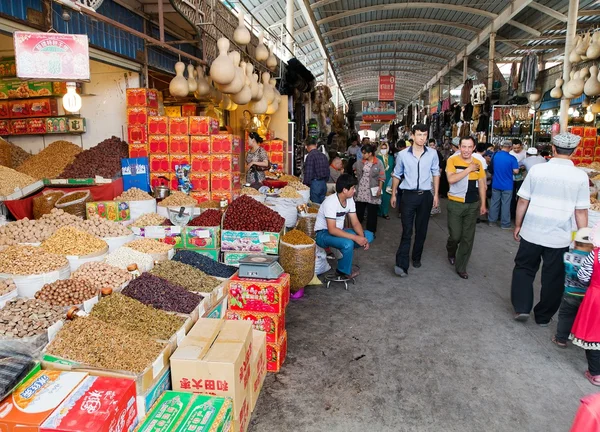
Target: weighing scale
260, 267
179, 217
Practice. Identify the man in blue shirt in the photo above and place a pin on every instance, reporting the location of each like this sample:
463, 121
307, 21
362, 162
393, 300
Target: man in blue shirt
502, 166
420, 167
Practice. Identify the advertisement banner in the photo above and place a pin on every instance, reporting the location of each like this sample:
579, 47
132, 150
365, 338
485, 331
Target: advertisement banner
378, 111
52, 56
387, 87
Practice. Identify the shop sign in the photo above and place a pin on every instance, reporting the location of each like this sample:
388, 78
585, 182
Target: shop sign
387, 87
52, 56
378, 111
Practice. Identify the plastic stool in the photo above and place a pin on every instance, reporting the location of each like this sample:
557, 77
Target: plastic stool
336, 278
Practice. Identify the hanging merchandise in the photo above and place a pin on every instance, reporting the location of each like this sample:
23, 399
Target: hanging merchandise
313, 128
222, 70
465, 93
261, 53
513, 80
529, 72
203, 86
574, 88
535, 96
592, 85
582, 46
192, 83
245, 95
272, 60
268, 92
593, 51
236, 85
557, 92
253, 84
478, 94
241, 35
468, 112
178, 87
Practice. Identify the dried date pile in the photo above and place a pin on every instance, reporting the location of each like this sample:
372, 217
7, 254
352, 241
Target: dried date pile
66, 292
104, 159
186, 276
204, 263
162, 294
247, 214
208, 218
26, 318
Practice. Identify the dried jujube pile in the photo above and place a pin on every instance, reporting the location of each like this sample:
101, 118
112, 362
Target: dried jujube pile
162, 294
96, 343
247, 214
66, 292
101, 275
104, 159
204, 263
25, 318
208, 218
29, 260
186, 276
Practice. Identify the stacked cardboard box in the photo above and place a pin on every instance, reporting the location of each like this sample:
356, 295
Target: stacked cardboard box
141, 104
588, 150
263, 303
225, 155
275, 148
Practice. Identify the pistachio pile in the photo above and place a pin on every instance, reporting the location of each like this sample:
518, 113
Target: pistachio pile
134, 194
66, 292
25, 318
51, 161
29, 260
186, 276
72, 241
102, 275
178, 198
149, 246
11, 180
149, 219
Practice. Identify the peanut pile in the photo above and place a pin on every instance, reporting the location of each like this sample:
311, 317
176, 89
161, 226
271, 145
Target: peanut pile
178, 198
298, 185
249, 191
149, 246
289, 192
51, 161
149, 219
6, 286
134, 194
101, 275
29, 260
72, 241
66, 292
25, 318
11, 180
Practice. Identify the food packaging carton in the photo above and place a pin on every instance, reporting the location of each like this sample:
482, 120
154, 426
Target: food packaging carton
590, 132
8, 67
589, 142
276, 353
258, 365
200, 145
250, 241
5, 127
34, 400
204, 126
173, 182
142, 97
145, 401
178, 126
33, 108
588, 152
222, 143
18, 127
236, 145
77, 125
200, 182
214, 358
597, 152
98, 404
184, 412
139, 116
57, 125
196, 238
137, 134
259, 295
270, 323
200, 196
188, 110
577, 130
159, 163
211, 253
179, 144
112, 210
578, 152
158, 125
276, 158
173, 111
200, 163
138, 150
224, 181
4, 111
36, 126
587, 160
234, 258
277, 145
166, 234
158, 144
222, 195
180, 159
225, 163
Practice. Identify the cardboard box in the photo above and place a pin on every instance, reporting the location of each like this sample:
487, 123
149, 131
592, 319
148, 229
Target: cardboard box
590, 132
18, 127
8, 67
142, 97
196, 238
184, 412
214, 358
222, 195
276, 353
57, 125
226, 163
158, 144
200, 145
5, 127
97, 404
211, 253
259, 295
136, 173
145, 401
234, 258
179, 126
33, 108
222, 143
188, 110
258, 365
34, 400
175, 160
220, 311
589, 142
200, 182
4, 111
159, 163
200, 163
173, 111
276, 158
112, 210
277, 145
250, 241
179, 144
36, 126
224, 181
200, 196
139, 116
272, 324
137, 134
204, 126
77, 125
158, 125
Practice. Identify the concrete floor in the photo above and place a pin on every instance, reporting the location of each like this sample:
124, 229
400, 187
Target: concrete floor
430, 352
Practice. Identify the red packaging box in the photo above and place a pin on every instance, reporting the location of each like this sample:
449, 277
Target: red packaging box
158, 144
4, 110
160, 178
222, 143
276, 353
222, 195
5, 127
200, 163
179, 126
576, 160
577, 130
139, 116
188, 110
200, 182
225, 163
33, 108
18, 127
276, 158
578, 152
98, 404
237, 145
204, 126
142, 97
276, 145
178, 160
272, 324
200, 145
36, 126
259, 295
224, 181
597, 151
587, 160
158, 125
159, 163
589, 132
179, 145
173, 182
137, 134
138, 150
597, 142
588, 152
589, 142
200, 197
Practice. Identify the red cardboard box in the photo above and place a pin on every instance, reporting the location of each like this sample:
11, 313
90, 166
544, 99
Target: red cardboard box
589, 142
577, 130
138, 150
200, 197
137, 134
179, 126
222, 181
587, 160
160, 178
188, 110
272, 324
597, 151
36, 126
173, 182
158, 144
222, 143
99, 404
4, 110
589, 132
18, 127
204, 126
200, 145
5, 127
179, 145
225, 163
200, 182
588, 152
158, 125
276, 353
32, 108
276, 145
259, 295
222, 195
142, 97
276, 158
578, 152
200, 163
178, 160
159, 163
139, 116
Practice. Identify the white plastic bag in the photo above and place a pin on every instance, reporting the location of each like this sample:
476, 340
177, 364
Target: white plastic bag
287, 209
321, 264
77, 261
28, 285
139, 208
115, 243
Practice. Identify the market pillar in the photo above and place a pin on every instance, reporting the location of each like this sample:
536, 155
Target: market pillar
465, 68
571, 30
491, 56
289, 24
325, 71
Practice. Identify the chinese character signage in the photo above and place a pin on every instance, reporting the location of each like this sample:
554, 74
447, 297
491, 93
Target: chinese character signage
52, 56
387, 87
378, 111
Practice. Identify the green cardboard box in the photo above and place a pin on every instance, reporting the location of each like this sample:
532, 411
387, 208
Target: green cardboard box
234, 258
211, 253
198, 238
250, 241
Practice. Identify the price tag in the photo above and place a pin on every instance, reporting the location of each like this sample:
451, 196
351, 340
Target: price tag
138, 231
155, 232
264, 238
203, 234
175, 230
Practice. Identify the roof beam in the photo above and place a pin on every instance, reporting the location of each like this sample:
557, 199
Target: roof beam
402, 6
525, 28
441, 36
588, 12
263, 5
396, 51
505, 16
411, 21
406, 42
396, 61
548, 11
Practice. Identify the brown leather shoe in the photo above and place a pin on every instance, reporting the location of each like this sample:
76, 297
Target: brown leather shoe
452, 260
463, 275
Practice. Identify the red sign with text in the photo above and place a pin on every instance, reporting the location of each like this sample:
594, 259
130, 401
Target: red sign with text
387, 87
52, 56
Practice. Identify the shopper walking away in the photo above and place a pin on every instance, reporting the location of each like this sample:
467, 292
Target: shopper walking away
336, 168
370, 173
466, 201
354, 148
550, 195
329, 226
532, 159
574, 288
257, 160
502, 167
518, 152
418, 165
316, 172
387, 159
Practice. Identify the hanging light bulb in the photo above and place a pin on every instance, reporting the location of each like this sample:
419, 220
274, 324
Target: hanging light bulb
577, 113
571, 111
589, 115
532, 110
71, 100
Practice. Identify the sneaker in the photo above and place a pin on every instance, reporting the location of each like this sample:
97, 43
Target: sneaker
491, 224
521, 317
417, 264
546, 324
400, 271
593, 379
510, 228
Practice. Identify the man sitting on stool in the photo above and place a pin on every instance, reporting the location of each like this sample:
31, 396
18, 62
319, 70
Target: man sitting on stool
329, 226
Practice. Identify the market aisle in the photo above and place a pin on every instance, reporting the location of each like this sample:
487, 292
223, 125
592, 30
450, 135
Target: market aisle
427, 353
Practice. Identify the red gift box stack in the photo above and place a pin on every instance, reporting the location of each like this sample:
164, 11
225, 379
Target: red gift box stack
263, 302
588, 150
141, 104
275, 149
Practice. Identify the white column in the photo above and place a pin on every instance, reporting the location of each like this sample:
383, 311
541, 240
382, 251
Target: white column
569, 46
492, 54
325, 71
289, 24
465, 68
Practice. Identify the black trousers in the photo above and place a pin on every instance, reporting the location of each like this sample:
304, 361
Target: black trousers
527, 263
415, 209
566, 316
372, 210
593, 359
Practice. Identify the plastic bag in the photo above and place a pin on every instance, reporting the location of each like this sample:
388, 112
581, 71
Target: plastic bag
44, 203
287, 209
306, 224
76, 206
299, 262
17, 359
321, 263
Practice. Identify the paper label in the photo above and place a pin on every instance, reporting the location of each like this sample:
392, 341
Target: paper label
175, 230
264, 238
155, 232
202, 234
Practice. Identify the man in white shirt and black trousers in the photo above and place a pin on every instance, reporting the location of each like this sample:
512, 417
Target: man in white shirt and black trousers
550, 195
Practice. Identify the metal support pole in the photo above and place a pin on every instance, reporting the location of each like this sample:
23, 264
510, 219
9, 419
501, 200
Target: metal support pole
491, 56
569, 46
161, 21
289, 24
325, 71
465, 68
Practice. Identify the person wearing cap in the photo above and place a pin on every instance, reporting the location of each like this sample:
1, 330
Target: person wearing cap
257, 159
316, 172
551, 194
502, 166
532, 159
574, 288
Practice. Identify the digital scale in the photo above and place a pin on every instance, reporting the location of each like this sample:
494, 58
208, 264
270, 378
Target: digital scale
260, 267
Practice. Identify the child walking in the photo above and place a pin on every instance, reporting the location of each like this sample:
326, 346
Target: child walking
574, 288
586, 328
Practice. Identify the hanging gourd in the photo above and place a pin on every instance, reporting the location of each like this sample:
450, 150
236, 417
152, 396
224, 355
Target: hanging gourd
192, 83
596, 107
556, 92
241, 35
272, 60
575, 86
272, 108
582, 44
259, 107
253, 82
203, 86
593, 51
260, 91
269, 94
222, 70
535, 96
261, 53
592, 85
178, 87
273, 83
237, 84
245, 95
